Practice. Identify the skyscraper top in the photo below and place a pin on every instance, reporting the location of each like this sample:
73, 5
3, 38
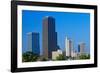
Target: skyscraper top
32, 33
48, 17
81, 43
67, 38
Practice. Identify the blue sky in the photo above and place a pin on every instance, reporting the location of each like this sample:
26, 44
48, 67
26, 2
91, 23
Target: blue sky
73, 25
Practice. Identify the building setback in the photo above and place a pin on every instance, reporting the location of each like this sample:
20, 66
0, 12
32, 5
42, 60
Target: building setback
49, 37
33, 42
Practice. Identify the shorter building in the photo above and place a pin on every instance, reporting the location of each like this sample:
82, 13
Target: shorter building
33, 42
74, 54
81, 48
55, 54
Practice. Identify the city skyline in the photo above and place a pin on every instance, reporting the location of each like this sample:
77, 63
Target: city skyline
25, 13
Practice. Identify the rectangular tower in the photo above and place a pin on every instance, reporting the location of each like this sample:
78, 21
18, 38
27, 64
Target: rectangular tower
49, 37
33, 42
68, 46
81, 48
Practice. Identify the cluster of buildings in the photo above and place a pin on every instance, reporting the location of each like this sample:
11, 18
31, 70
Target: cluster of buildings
50, 46
71, 51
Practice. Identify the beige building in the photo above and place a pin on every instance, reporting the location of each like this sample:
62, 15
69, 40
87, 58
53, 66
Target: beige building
74, 53
55, 54
81, 48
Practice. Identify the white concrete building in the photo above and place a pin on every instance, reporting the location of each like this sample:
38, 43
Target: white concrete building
74, 53
55, 54
68, 46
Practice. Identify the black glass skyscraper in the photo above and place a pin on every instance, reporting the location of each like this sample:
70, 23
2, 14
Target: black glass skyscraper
49, 36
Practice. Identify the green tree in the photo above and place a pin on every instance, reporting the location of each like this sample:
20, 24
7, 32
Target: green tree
29, 57
44, 59
84, 56
60, 57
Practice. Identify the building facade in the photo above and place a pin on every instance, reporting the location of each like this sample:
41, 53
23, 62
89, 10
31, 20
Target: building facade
74, 53
55, 54
68, 46
49, 36
33, 42
81, 48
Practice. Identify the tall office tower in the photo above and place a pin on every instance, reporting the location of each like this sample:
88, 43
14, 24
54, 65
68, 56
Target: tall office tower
81, 48
33, 42
68, 46
49, 37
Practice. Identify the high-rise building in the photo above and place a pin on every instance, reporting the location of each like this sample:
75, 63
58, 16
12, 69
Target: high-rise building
49, 37
68, 46
33, 42
81, 48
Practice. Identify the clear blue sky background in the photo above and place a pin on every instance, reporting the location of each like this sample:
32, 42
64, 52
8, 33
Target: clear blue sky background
73, 25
